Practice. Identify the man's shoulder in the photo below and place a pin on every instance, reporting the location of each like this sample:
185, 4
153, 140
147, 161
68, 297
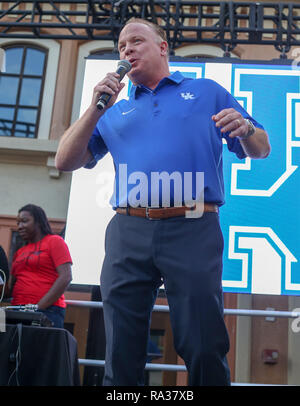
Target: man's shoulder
201, 82
203, 86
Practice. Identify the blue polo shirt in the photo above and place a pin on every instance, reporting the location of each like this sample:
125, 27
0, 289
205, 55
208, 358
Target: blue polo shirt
166, 131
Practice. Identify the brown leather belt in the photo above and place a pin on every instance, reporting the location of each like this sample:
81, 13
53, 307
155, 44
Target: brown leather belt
164, 212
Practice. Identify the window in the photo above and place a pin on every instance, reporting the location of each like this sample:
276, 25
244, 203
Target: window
202, 51
21, 89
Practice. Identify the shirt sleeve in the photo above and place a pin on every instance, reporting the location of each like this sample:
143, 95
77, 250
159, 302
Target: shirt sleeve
59, 251
233, 144
97, 148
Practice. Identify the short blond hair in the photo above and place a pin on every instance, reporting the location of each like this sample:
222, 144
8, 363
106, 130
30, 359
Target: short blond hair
155, 27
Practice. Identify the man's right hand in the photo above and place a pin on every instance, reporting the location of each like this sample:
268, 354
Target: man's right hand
110, 85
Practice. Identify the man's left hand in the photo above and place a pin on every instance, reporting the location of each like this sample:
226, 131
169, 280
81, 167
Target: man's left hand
231, 121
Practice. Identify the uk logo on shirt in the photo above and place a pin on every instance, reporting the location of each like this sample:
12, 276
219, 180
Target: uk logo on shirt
187, 96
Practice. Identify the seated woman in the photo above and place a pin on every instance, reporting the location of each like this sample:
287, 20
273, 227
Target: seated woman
41, 270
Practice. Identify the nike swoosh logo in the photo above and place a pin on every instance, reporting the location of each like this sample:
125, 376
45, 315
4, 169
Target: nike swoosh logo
127, 112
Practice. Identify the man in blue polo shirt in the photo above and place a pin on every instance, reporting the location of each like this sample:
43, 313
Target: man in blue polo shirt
170, 129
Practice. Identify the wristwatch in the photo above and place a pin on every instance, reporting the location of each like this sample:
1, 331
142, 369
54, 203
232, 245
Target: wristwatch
251, 130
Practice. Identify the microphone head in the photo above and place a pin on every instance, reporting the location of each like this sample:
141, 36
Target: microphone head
126, 65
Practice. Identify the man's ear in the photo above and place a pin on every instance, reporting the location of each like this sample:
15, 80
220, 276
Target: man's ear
164, 48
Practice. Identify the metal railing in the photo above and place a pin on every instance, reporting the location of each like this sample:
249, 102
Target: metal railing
165, 309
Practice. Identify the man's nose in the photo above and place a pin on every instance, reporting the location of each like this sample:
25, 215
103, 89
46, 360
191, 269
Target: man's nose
128, 50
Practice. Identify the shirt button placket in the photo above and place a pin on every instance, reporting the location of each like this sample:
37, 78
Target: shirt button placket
155, 105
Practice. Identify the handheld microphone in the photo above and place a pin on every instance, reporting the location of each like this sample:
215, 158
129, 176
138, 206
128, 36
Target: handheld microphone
123, 67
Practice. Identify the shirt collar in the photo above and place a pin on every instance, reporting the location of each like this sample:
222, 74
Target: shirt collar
175, 77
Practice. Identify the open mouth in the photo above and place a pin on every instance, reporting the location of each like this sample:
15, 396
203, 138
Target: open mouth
133, 61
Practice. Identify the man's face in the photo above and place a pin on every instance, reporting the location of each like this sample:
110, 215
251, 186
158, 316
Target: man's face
143, 48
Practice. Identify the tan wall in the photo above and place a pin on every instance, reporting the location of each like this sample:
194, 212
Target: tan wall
22, 184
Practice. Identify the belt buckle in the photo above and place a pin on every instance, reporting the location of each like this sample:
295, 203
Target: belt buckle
147, 214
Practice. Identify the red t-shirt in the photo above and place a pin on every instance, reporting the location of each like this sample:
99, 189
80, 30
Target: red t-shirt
34, 267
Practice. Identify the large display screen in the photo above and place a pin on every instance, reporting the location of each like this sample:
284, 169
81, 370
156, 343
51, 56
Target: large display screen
261, 217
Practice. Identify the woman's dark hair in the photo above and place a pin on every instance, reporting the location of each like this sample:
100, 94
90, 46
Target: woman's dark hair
39, 217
